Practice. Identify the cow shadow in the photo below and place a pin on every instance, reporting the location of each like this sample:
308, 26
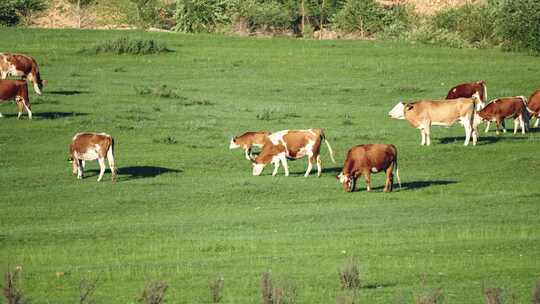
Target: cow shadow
47, 115
136, 172
483, 140
66, 92
324, 171
361, 187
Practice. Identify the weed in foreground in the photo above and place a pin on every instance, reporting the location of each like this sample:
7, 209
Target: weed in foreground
433, 297
349, 275
347, 298
86, 291
153, 293
169, 140
536, 294
216, 289
493, 295
12, 292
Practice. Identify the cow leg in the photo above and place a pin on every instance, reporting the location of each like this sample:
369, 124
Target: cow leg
276, 167
83, 162
503, 125
468, 132
309, 166
284, 163
28, 111
537, 121
498, 124
487, 126
522, 121
248, 153
474, 136
3, 115
389, 184
79, 169
367, 176
423, 134
516, 125
319, 167
4, 74
428, 138
20, 107
101, 161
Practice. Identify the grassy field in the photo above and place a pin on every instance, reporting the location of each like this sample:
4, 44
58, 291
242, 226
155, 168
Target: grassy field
186, 210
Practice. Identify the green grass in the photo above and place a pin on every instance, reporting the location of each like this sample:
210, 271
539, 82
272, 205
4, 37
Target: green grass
186, 210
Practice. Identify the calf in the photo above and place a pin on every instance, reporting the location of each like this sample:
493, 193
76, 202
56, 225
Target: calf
291, 144
248, 140
424, 114
367, 159
92, 146
467, 90
499, 109
20, 65
533, 106
16, 90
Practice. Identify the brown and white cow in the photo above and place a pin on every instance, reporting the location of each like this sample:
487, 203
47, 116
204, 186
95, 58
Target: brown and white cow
427, 113
367, 159
467, 90
92, 146
291, 144
20, 65
499, 109
533, 106
248, 140
16, 90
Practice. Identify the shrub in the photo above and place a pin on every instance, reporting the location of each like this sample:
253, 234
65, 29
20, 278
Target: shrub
162, 91
193, 16
364, 17
12, 291
127, 45
216, 289
434, 297
12, 11
518, 24
153, 293
493, 295
269, 15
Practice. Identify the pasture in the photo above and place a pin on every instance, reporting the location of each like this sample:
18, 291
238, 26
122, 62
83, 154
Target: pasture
185, 209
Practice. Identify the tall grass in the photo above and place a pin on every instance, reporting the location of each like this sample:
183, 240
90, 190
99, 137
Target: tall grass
129, 46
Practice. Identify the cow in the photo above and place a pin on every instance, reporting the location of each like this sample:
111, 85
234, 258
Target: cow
533, 106
16, 90
91, 146
291, 144
467, 90
248, 140
424, 114
500, 108
19, 65
367, 159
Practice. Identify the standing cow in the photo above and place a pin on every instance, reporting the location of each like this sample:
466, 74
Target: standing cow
367, 159
291, 144
248, 140
16, 90
499, 109
467, 90
92, 146
424, 114
24, 66
533, 106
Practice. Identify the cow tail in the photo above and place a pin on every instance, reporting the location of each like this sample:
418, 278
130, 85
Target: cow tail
328, 146
110, 158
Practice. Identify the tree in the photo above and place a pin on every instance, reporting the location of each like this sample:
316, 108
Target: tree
146, 11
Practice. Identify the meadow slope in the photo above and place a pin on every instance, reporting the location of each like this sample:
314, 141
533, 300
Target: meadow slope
186, 209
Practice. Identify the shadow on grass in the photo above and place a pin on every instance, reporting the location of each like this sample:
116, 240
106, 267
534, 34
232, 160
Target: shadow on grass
361, 186
47, 115
333, 171
483, 140
66, 92
377, 285
135, 172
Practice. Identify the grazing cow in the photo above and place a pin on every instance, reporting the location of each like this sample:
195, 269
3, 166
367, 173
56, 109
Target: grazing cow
367, 159
424, 114
248, 140
20, 65
467, 90
92, 146
533, 106
499, 109
16, 90
291, 144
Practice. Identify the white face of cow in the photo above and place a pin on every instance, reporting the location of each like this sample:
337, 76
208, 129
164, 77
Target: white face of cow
346, 182
233, 144
398, 111
257, 169
479, 103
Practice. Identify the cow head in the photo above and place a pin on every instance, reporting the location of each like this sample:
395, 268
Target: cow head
346, 182
478, 101
233, 144
398, 111
74, 164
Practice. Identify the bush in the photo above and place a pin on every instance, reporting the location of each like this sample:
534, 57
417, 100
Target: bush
127, 45
8, 14
473, 23
518, 24
12, 12
194, 16
264, 15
